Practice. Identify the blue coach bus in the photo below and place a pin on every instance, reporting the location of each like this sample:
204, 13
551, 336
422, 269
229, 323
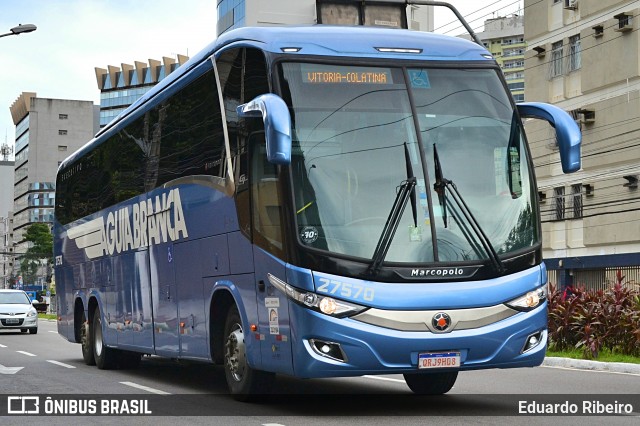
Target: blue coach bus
313, 201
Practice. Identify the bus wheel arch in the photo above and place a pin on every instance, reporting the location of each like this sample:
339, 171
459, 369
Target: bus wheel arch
221, 302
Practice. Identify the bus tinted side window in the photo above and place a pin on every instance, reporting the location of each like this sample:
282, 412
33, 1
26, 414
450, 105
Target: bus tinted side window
190, 130
180, 137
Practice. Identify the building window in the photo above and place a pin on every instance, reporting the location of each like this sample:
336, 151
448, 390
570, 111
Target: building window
558, 195
516, 86
62, 132
63, 116
575, 55
555, 64
576, 199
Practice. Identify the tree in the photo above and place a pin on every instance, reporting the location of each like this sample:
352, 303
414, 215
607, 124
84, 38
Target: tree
40, 251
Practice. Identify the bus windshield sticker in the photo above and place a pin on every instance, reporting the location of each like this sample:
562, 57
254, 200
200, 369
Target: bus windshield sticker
331, 74
309, 234
415, 233
274, 328
272, 302
419, 79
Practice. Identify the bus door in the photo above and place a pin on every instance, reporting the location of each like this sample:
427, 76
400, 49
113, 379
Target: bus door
165, 300
273, 308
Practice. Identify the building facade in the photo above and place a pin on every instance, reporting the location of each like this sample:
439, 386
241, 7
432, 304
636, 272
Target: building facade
123, 85
584, 58
504, 38
47, 131
239, 13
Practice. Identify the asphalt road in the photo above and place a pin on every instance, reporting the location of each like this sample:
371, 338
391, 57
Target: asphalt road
47, 365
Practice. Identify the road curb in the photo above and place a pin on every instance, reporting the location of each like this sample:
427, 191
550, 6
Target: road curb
583, 364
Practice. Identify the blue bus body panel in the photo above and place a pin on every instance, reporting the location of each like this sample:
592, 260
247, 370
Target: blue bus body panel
432, 295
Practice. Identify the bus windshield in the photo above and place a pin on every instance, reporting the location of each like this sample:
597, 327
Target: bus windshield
360, 132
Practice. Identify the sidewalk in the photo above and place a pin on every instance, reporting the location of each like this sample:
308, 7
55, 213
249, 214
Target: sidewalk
583, 364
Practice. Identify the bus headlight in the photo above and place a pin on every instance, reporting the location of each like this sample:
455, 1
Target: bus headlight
326, 305
529, 301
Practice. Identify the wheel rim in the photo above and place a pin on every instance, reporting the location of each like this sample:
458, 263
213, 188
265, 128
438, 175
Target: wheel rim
235, 353
97, 334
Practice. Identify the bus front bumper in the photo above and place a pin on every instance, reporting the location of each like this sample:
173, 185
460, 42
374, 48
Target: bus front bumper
356, 348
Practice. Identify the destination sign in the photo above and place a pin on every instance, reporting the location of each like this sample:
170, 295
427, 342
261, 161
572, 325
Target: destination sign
323, 74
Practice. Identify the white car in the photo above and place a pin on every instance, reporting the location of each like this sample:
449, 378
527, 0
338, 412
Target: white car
17, 312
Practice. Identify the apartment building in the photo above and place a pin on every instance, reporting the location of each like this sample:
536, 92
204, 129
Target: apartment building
47, 131
583, 57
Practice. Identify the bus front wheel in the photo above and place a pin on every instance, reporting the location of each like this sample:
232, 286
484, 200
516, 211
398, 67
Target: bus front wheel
243, 381
105, 357
431, 383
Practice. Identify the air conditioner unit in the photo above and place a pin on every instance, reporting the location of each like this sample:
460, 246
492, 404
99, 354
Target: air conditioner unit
571, 4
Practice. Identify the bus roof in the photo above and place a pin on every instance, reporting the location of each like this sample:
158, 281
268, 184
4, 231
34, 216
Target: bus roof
319, 40
358, 41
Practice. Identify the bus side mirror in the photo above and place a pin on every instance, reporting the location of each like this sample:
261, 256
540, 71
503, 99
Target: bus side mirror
277, 125
568, 133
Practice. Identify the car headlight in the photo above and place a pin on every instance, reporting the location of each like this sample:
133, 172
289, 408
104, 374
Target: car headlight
32, 313
326, 305
529, 301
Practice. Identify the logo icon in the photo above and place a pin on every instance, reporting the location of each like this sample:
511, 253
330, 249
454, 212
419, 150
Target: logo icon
441, 321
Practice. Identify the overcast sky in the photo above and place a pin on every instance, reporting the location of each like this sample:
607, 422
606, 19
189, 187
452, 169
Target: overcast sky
75, 36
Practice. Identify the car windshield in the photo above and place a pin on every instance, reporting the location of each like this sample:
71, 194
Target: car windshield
355, 143
13, 298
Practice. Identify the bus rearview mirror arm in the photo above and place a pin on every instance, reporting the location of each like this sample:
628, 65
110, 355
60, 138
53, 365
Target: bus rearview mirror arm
277, 125
568, 132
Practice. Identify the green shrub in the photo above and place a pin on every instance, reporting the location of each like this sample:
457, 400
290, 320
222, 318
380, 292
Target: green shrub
594, 320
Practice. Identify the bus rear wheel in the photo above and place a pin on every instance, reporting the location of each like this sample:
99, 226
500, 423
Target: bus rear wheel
243, 381
431, 383
105, 357
87, 342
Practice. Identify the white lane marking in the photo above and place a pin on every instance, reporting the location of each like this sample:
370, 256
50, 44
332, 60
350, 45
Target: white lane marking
146, 388
9, 370
2, 346
51, 331
388, 379
62, 364
26, 353
589, 371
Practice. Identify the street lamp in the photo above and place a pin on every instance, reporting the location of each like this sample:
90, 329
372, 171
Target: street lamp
26, 28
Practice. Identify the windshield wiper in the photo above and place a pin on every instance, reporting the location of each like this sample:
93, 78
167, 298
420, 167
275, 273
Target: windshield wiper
406, 190
441, 185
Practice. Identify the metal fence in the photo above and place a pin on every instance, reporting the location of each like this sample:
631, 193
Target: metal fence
601, 279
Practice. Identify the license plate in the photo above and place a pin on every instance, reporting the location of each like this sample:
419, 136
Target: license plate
12, 320
439, 360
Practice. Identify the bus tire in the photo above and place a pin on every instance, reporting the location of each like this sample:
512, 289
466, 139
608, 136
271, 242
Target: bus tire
87, 342
431, 383
244, 382
105, 357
